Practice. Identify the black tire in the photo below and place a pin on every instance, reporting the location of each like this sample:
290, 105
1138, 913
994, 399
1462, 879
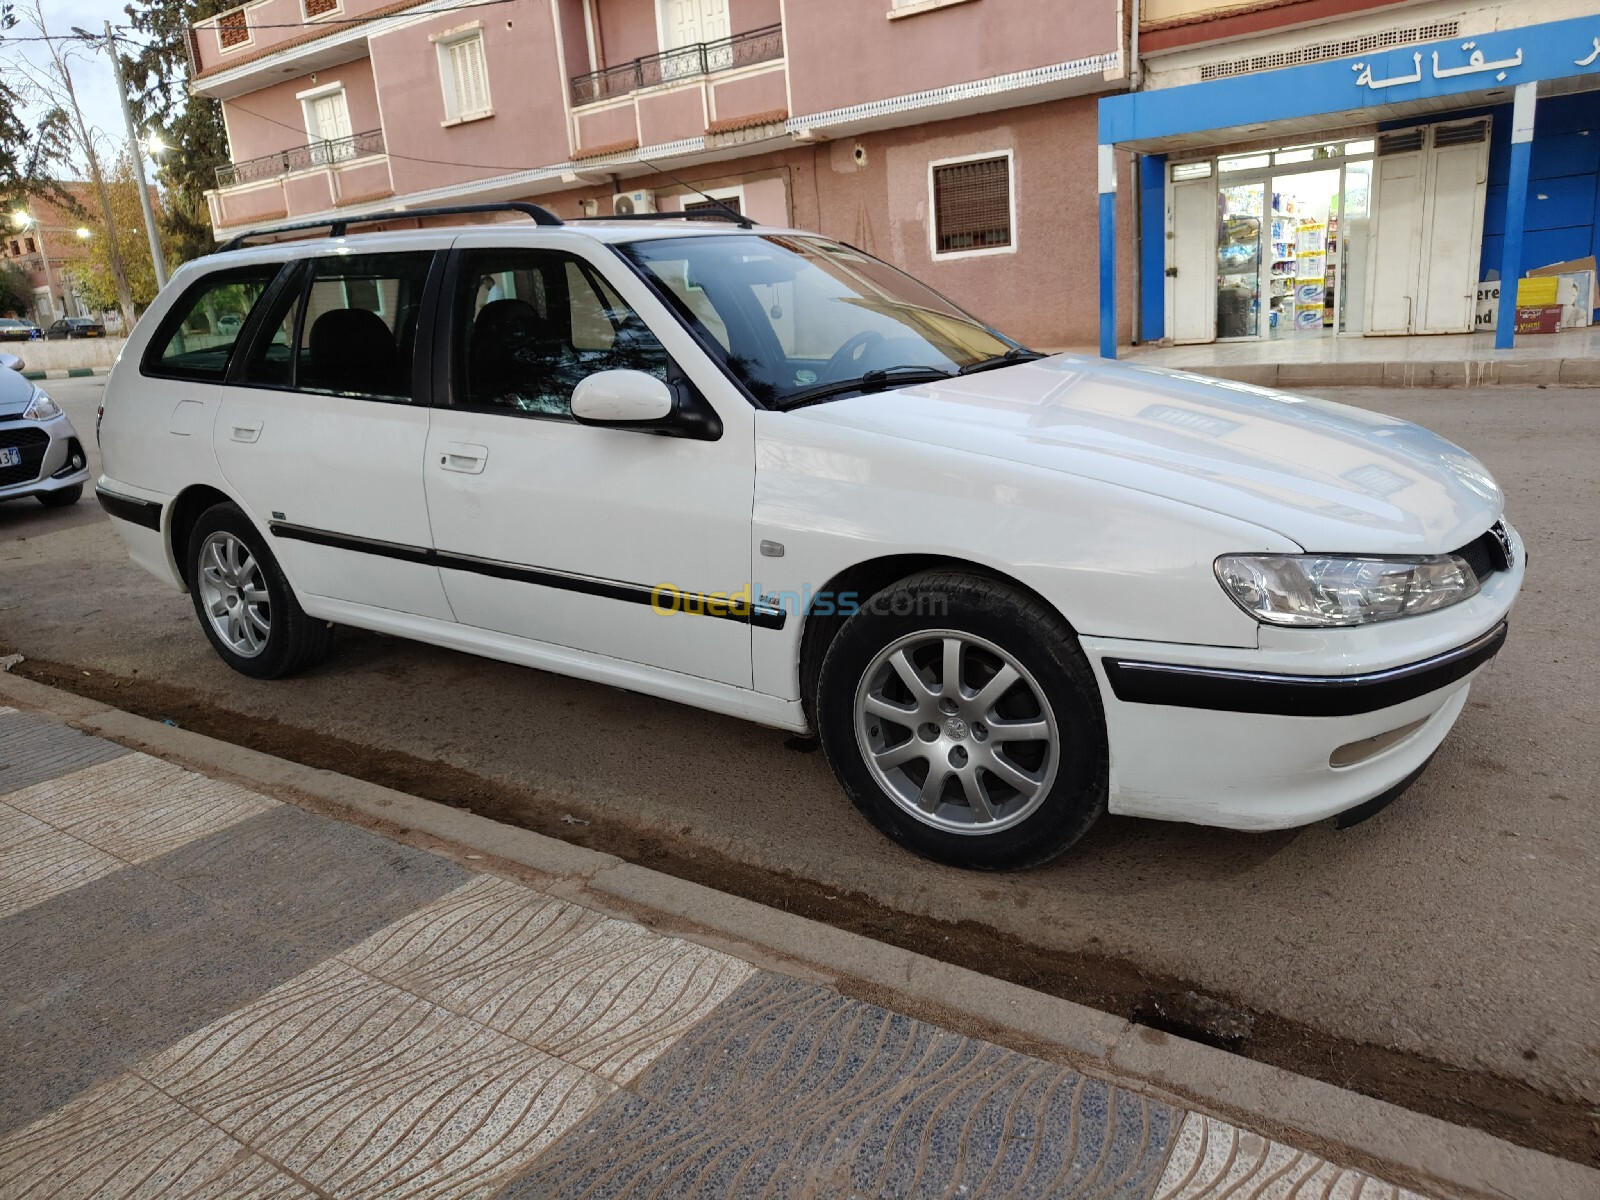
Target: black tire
61, 498
1043, 644
294, 641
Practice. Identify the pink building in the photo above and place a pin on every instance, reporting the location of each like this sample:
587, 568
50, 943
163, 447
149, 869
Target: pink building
953, 137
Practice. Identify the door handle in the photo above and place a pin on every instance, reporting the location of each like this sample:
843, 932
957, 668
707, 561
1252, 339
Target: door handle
463, 457
246, 431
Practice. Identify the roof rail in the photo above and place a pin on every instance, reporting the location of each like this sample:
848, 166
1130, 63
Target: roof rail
702, 214
336, 225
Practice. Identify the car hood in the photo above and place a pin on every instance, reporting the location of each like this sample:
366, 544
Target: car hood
15, 392
1330, 477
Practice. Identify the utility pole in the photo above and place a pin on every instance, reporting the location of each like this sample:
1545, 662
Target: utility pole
134, 149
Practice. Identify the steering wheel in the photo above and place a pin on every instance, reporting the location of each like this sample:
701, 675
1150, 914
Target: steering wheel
852, 352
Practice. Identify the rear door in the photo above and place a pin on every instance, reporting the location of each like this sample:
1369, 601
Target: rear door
324, 423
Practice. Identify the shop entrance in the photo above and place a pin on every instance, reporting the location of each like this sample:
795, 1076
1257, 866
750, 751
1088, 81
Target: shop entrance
1286, 244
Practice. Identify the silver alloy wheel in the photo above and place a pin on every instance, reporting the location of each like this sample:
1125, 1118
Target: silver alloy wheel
956, 731
235, 594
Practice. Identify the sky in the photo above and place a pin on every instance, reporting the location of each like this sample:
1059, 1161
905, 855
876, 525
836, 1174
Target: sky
91, 71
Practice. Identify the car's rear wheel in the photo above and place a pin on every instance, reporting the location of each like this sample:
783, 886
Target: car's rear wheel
964, 722
245, 605
62, 497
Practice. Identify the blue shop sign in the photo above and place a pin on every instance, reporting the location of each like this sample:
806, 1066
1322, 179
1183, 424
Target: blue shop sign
1449, 67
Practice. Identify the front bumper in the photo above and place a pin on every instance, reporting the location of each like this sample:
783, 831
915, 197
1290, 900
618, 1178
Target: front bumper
49, 470
1298, 730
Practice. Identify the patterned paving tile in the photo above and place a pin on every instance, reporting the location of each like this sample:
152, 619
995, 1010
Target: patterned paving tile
45, 865
137, 807
97, 977
32, 748
125, 1139
789, 1089
362, 1089
1212, 1160
605, 995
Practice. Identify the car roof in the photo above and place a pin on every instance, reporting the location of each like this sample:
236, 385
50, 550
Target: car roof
607, 231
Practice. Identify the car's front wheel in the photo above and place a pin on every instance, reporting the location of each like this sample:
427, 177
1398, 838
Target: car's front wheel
964, 722
245, 605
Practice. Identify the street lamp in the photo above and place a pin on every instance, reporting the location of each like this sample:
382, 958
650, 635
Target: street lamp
84, 234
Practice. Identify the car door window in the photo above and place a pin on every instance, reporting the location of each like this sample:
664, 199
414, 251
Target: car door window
348, 329
532, 324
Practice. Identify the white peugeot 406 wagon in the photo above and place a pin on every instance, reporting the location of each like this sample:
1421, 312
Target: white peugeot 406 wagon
762, 472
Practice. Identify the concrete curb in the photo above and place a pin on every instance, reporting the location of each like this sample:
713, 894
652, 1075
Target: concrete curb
1389, 1141
1578, 372
68, 373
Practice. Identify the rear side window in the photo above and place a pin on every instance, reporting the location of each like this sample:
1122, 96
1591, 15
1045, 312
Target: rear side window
197, 338
348, 329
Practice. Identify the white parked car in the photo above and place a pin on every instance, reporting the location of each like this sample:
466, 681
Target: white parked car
761, 472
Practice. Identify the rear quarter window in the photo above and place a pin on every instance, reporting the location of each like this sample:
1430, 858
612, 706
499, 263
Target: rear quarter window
197, 337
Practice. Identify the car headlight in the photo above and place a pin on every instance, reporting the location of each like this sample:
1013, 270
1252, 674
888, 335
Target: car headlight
41, 408
1322, 589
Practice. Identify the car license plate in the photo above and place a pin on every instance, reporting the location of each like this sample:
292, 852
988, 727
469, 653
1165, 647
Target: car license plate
10, 456
91, 333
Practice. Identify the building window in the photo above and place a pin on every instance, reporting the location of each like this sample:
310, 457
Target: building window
464, 75
32, 247
320, 8
974, 207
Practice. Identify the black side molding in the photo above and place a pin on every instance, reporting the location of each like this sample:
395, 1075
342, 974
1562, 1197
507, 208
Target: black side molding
1221, 690
691, 604
145, 513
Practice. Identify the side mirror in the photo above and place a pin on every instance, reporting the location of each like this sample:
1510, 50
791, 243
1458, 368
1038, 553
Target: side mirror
12, 361
630, 398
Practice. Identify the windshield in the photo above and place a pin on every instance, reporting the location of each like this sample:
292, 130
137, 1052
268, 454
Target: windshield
790, 315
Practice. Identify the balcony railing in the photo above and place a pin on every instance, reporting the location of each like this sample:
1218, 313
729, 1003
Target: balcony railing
317, 154
686, 62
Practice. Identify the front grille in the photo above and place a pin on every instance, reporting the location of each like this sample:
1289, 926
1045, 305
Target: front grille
1487, 553
32, 442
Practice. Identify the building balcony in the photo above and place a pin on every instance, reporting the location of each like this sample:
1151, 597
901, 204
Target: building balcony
302, 182
300, 158
682, 64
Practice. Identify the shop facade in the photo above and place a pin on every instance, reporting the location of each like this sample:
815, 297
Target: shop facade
1364, 195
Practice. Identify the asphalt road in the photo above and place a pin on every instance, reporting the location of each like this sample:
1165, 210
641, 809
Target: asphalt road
1461, 925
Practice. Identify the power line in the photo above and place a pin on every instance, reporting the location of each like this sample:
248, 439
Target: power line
347, 21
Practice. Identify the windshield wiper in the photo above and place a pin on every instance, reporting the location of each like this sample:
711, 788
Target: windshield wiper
1016, 354
871, 381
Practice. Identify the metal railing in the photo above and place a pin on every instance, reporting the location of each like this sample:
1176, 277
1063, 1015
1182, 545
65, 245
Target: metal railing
317, 154
686, 62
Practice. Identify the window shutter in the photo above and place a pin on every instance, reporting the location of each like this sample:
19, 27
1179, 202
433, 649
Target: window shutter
468, 77
972, 205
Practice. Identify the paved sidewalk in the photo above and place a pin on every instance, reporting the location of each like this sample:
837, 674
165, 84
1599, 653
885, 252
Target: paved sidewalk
210, 993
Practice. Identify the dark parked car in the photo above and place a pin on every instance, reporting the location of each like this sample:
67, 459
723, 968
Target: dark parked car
75, 327
17, 329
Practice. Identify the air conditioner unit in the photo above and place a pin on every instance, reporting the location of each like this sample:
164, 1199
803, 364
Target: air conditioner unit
628, 204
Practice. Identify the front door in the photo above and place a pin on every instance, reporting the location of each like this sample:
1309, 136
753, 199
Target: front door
321, 433
568, 534
1194, 261
1427, 228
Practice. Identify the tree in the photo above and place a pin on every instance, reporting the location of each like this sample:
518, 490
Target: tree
52, 88
28, 155
96, 279
16, 293
191, 125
